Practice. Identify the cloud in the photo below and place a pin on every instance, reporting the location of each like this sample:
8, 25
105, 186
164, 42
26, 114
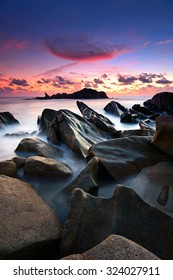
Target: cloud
98, 81
83, 48
13, 44
19, 82
59, 69
63, 81
126, 80
43, 81
165, 42
104, 76
164, 81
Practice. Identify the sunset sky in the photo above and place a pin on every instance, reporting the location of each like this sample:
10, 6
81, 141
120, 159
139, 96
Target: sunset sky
118, 46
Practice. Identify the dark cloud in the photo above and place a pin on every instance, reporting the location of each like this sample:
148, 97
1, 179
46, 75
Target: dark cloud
126, 80
63, 81
82, 48
98, 81
43, 81
104, 76
19, 82
164, 81
145, 78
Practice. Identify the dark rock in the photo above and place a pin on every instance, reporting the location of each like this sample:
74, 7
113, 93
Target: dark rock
91, 220
163, 137
129, 118
160, 102
6, 118
85, 93
99, 120
37, 166
34, 146
28, 227
115, 247
141, 109
154, 116
163, 195
47, 117
115, 108
8, 167
19, 161
137, 132
124, 157
75, 132
20, 134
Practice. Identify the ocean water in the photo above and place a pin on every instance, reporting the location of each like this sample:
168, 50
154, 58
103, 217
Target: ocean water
27, 112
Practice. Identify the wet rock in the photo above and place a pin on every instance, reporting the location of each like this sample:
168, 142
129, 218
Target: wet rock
8, 167
28, 227
163, 195
115, 247
141, 109
75, 132
124, 157
127, 117
19, 161
91, 220
137, 132
115, 108
160, 102
35, 146
45, 120
6, 118
163, 137
99, 120
37, 166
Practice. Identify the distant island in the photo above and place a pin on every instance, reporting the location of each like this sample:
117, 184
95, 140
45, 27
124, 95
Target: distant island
85, 93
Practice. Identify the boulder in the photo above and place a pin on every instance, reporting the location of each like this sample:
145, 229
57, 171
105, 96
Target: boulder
141, 109
6, 118
124, 157
46, 119
29, 228
8, 167
160, 102
19, 161
115, 247
163, 137
115, 108
37, 166
99, 120
91, 220
76, 132
128, 117
35, 146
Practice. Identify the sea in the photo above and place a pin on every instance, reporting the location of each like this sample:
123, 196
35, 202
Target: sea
26, 111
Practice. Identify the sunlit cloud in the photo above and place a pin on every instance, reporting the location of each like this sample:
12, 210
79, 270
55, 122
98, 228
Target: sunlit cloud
83, 48
165, 42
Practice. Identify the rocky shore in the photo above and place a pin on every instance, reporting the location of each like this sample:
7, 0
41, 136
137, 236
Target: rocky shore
84, 224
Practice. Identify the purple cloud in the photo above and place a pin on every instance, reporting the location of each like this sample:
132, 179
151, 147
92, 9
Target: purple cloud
19, 82
126, 80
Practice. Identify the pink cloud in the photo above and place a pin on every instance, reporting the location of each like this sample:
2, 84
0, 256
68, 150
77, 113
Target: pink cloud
164, 42
13, 44
82, 48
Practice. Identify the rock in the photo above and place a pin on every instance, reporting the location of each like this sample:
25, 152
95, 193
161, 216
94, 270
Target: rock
35, 146
28, 227
37, 166
141, 109
115, 108
160, 102
115, 247
128, 118
8, 167
85, 93
99, 120
126, 156
163, 137
163, 195
91, 220
20, 134
75, 132
6, 118
47, 117
19, 161
137, 132
87, 180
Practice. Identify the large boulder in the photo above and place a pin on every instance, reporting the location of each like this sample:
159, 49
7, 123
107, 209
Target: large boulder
29, 228
115, 247
6, 118
37, 166
115, 108
163, 137
8, 167
76, 132
99, 120
161, 102
37, 147
46, 119
91, 220
124, 157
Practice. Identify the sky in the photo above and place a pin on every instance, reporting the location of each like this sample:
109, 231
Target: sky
122, 47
